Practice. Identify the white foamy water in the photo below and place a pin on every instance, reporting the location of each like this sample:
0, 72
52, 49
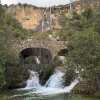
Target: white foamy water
56, 80
33, 81
37, 60
53, 86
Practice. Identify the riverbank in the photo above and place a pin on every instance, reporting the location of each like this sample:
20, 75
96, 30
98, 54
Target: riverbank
8, 94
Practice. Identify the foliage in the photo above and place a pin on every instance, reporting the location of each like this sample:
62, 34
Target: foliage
83, 34
10, 31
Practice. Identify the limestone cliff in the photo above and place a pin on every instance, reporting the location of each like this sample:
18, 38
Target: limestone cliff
28, 16
36, 18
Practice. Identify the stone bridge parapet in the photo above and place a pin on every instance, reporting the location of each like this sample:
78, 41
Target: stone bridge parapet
52, 45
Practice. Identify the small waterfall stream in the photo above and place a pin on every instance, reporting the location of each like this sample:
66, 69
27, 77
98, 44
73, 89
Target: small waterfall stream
56, 80
54, 84
33, 81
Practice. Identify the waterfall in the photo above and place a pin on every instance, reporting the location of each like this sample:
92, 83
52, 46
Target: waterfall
54, 84
33, 81
37, 60
56, 80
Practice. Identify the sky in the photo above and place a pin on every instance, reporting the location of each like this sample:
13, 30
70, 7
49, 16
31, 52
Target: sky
39, 3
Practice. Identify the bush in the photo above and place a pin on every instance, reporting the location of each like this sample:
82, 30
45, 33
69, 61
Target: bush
84, 47
10, 30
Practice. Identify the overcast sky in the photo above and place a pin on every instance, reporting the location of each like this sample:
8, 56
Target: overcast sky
41, 3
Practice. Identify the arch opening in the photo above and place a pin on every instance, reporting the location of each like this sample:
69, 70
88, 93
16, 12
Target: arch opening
36, 55
63, 52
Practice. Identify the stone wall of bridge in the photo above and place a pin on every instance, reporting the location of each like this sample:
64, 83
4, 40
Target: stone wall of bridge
52, 45
17, 74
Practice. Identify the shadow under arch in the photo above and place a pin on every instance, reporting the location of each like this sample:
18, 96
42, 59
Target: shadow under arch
39, 55
63, 52
59, 59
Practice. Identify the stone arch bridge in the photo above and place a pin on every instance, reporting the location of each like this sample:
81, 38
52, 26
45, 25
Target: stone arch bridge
41, 64
53, 46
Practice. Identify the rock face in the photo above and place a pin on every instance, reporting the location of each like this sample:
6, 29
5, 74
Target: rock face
40, 19
33, 18
28, 16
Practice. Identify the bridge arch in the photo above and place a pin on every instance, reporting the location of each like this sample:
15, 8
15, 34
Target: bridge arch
53, 46
63, 52
38, 54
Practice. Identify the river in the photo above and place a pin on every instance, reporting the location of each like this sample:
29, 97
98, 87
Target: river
9, 96
52, 90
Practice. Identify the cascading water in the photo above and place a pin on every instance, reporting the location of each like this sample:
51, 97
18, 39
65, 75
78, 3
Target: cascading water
53, 86
56, 80
37, 60
33, 81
